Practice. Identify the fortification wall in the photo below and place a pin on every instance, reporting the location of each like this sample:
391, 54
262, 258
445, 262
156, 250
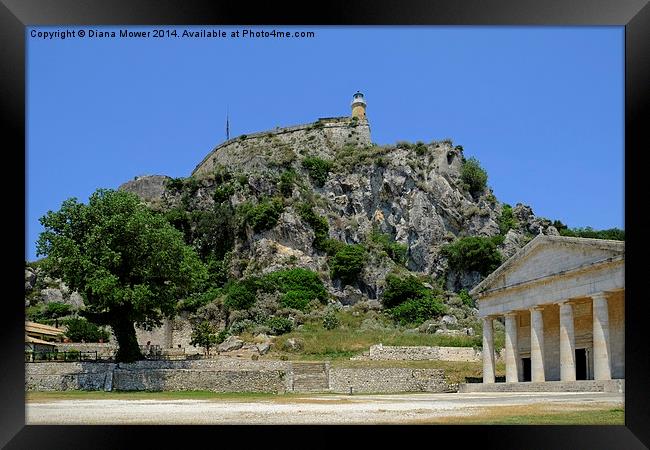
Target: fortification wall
384, 380
259, 151
420, 353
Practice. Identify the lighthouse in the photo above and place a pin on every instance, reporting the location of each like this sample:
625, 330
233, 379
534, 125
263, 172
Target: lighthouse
358, 106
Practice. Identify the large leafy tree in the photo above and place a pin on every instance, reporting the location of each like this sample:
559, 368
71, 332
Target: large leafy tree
128, 263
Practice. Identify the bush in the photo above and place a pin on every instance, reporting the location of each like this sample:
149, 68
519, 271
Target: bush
297, 300
330, 321
396, 251
223, 192
348, 262
399, 290
318, 223
222, 336
203, 335
302, 282
239, 296
417, 310
474, 253
196, 301
466, 298
474, 176
420, 148
80, 329
507, 219
615, 234
279, 325
57, 309
262, 216
318, 169
287, 179
72, 355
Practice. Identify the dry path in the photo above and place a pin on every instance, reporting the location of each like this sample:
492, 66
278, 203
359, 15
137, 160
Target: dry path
310, 409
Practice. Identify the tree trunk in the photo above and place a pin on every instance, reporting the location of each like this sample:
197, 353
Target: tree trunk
128, 350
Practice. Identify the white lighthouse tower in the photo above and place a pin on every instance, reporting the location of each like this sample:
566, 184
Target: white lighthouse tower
358, 106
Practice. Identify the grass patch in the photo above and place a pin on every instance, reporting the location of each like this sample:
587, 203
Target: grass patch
536, 415
49, 396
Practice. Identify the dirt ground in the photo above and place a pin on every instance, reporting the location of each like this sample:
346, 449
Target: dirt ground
316, 409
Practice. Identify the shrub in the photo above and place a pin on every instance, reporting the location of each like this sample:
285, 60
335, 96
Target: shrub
318, 223
420, 148
317, 168
239, 296
302, 282
196, 301
474, 176
507, 219
72, 355
203, 335
396, 251
287, 179
80, 329
466, 298
417, 310
264, 215
279, 325
296, 300
223, 192
174, 184
330, 321
399, 290
348, 262
57, 309
615, 234
474, 253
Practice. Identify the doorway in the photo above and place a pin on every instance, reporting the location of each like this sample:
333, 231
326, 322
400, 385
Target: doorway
581, 364
525, 364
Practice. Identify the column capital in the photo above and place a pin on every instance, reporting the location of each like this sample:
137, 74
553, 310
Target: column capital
510, 314
599, 296
567, 302
537, 308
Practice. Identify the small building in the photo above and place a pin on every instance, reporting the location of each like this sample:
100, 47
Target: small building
562, 300
43, 332
33, 344
358, 106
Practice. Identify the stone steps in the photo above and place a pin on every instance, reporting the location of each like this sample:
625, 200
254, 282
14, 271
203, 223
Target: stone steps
310, 377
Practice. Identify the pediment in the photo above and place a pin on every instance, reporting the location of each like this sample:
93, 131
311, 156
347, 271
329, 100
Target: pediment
549, 255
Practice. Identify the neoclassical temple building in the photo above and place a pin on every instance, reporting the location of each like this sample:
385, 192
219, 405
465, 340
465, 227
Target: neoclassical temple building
563, 303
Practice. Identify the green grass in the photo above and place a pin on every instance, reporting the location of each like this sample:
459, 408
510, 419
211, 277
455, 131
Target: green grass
345, 341
496, 416
34, 396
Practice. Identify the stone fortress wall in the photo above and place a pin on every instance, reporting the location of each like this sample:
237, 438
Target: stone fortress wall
381, 352
223, 375
320, 138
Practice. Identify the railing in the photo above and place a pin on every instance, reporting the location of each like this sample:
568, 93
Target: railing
44, 356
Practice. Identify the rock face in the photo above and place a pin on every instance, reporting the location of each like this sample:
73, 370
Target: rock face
148, 188
230, 344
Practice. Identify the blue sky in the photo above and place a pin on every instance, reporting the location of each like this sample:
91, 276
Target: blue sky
542, 108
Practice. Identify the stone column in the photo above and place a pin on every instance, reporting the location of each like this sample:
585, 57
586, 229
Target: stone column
602, 368
488, 350
536, 345
512, 374
567, 343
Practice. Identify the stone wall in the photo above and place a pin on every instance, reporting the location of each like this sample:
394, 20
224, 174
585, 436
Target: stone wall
419, 353
376, 380
616, 386
253, 151
222, 375
104, 350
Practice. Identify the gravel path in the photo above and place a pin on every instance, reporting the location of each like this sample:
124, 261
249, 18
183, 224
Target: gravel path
310, 409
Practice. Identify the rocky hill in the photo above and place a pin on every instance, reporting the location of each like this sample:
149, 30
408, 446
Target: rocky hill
291, 197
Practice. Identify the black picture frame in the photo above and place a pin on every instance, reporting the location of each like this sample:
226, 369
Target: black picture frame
634, 15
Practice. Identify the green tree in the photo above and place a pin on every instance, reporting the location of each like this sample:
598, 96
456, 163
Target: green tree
507, 219
474, 176
318, 169
348, 262
474, 253
56, 310
81, 330
204, 335
128, 263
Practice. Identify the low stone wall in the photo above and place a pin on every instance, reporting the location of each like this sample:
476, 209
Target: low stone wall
371, 380
105, 350
617, 386
219, 375
222, 375
419, 353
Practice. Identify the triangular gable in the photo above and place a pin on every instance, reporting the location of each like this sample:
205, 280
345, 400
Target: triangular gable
549, 255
